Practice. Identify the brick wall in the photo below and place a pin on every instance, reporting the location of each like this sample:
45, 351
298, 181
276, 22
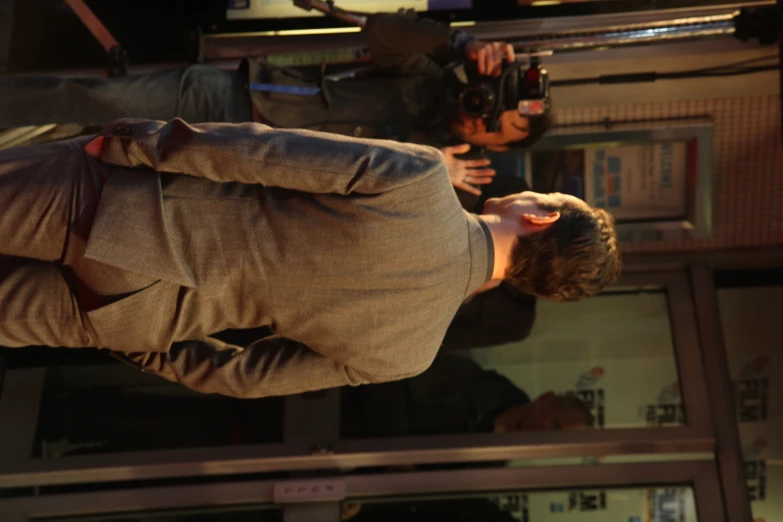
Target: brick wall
748, 177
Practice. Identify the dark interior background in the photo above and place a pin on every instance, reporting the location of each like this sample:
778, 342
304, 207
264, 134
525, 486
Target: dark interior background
47, 35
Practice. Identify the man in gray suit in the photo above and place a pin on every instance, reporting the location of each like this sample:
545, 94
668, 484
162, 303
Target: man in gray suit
152, 236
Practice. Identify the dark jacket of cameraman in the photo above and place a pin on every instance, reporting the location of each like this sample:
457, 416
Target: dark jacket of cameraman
405, 97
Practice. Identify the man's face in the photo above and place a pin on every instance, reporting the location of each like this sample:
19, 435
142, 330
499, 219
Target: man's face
473, 130
542, 414
516, 206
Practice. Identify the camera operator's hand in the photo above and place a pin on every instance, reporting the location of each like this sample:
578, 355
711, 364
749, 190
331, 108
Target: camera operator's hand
489, 56
466, 173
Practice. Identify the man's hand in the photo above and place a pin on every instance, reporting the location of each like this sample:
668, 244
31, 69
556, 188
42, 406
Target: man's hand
466, 173
489, 56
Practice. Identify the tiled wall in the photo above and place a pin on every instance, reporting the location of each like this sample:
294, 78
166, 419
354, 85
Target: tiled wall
748, 177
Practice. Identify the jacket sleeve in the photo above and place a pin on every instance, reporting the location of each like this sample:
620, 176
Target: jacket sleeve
497, 316
252, 153
402, 40
268, 367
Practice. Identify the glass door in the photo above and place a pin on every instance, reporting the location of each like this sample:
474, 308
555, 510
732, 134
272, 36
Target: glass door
604, 394
617, 374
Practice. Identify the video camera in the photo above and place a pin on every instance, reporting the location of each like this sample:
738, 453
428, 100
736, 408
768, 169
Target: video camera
522, 85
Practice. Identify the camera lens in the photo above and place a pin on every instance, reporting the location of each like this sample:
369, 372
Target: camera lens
477, 99
473, 102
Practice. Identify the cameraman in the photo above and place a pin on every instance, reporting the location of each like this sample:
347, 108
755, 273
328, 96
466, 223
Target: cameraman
410, 96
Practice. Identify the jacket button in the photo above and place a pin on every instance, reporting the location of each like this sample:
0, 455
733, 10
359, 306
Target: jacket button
357, 131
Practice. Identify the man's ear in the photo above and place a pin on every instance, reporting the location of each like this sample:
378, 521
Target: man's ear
547, 220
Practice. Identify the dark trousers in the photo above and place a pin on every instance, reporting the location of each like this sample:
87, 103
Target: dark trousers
197, 94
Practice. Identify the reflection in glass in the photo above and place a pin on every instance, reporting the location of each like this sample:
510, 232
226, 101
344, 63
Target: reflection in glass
115, 408
606, 362
455, 395
751, 327
588, 505
614, 352
232, 514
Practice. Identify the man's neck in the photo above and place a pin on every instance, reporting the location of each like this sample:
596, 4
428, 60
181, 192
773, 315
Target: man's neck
504, 236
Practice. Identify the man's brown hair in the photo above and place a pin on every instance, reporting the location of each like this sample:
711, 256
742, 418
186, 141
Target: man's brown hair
574, 258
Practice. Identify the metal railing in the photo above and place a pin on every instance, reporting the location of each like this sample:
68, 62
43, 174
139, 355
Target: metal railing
566, 34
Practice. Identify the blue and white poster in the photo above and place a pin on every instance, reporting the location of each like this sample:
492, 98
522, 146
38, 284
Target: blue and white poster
632, 182
638, 181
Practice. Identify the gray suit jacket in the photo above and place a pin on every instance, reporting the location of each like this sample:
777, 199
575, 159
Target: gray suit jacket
357, 253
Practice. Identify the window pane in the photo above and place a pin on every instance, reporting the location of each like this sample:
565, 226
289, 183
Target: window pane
115, 408
751, 327
608, 360
664, 504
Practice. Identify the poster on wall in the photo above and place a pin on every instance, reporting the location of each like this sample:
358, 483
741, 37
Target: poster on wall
760, 423
750, 317
583, 350
599, 505
633, 182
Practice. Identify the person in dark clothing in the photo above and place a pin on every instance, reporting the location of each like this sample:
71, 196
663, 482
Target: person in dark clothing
407, 97
455, 395
497, 316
